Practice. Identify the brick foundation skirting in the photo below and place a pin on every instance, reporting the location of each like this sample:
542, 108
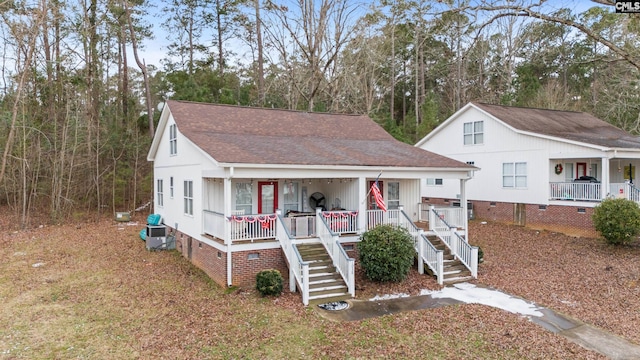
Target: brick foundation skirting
572, 220
245, 264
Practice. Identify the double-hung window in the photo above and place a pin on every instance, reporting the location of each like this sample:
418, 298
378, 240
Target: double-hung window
291, 196
393, 195
514, 175
173, 140
434, 181
244, 198
188, 197
474, 133
160, 193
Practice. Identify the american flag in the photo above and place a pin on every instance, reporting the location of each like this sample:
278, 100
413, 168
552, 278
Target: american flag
375, 190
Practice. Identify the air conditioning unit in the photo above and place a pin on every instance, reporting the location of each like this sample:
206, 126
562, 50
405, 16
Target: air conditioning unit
156, 238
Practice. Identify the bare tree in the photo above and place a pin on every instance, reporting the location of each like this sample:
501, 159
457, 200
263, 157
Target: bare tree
318, 32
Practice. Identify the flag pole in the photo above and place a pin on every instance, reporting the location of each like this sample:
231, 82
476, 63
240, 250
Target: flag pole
369, 191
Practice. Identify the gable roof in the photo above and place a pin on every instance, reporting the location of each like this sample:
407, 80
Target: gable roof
245, 135
570, 125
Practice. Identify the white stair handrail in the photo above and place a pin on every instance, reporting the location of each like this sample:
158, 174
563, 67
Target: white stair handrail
298, 269
343, 263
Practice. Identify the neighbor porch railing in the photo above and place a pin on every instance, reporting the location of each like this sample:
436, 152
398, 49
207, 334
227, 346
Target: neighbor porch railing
575, 191
459, 247
343, 263
298, 269
454, 215
624, 190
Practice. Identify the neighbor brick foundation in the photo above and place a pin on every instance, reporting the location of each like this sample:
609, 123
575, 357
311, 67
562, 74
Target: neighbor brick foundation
572, 220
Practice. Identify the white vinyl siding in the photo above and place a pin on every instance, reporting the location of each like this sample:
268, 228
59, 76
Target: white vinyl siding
474, 133
514, 175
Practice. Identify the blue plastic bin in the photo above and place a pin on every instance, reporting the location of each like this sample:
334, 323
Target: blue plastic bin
154, 219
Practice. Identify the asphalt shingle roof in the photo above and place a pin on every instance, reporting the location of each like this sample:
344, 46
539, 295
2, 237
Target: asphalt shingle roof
570, 125
234, 134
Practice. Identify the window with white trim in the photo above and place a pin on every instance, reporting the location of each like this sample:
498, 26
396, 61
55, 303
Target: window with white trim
173, 139
514, 175
159, 192
244, 198
474, 133
393, 195
291, 196
434, 182
568, 172
188, 197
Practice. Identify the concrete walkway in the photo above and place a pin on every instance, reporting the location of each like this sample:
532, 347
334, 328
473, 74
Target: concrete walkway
585, 335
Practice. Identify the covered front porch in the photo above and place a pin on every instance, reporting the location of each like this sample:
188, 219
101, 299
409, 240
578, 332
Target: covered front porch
244, 210
593, 179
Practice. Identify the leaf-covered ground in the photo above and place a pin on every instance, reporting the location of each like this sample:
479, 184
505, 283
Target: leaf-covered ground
92, 290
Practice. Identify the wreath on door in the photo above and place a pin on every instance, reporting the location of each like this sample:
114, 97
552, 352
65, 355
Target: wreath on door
558, 169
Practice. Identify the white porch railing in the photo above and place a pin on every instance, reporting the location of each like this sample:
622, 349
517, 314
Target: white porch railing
575, 191
213, 223
252, 227
341, 222
301, 226
460, 248
298, 269
380, 217
343, 263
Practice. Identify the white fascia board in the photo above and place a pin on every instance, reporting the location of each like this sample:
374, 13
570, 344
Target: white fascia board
322, 171
615, 153
162, 123
451, 118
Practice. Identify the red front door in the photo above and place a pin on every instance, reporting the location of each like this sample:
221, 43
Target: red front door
370, 199
267, 197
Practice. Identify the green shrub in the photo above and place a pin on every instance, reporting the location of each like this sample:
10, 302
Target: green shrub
269, 282
386, 253
617, 220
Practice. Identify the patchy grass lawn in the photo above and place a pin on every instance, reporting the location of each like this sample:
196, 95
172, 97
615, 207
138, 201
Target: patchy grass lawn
93, 291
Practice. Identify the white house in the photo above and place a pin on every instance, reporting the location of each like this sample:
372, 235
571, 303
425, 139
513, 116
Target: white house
245, 189
539, 167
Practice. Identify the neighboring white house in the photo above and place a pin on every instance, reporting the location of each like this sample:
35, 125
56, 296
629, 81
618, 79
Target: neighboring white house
544, 167
240, 186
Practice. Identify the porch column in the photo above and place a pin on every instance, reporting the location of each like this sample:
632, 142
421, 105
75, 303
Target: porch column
362, 205
227, 227
465, 210
605, 185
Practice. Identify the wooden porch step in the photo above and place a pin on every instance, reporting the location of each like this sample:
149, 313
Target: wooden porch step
325, 283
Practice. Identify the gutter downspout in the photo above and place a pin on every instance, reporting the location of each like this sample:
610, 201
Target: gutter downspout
227, 227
